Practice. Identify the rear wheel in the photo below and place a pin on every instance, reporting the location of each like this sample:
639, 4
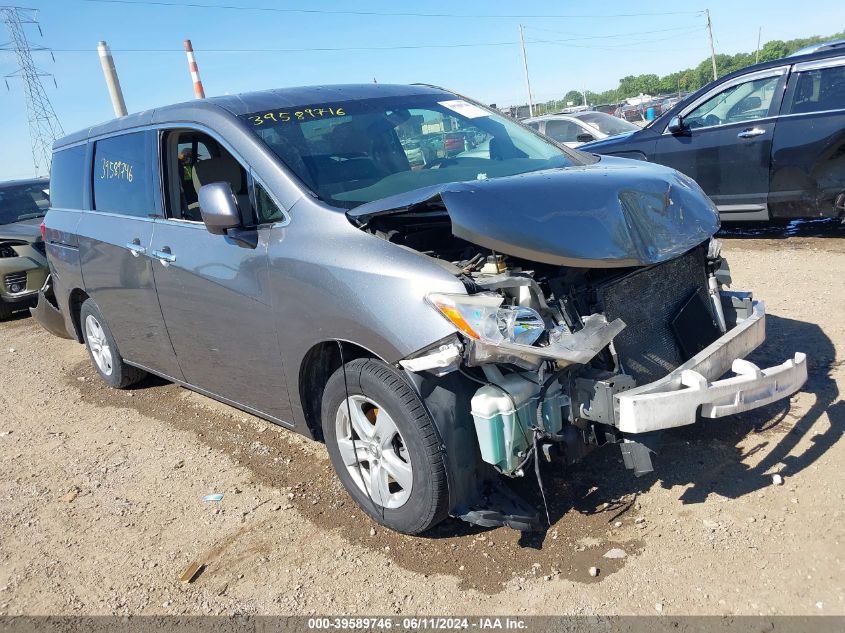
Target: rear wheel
103, 350
384, 446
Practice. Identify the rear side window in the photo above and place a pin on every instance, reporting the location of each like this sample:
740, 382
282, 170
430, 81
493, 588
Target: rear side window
67, 178
819, 90
122, 175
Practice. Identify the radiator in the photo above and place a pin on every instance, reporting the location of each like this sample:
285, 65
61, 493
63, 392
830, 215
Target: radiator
647, 300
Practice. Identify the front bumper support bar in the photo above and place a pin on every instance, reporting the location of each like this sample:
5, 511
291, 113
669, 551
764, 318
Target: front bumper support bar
676, 399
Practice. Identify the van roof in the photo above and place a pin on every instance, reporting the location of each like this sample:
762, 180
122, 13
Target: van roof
199, 110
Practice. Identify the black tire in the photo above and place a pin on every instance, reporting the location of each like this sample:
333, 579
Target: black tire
429, 494
120, 375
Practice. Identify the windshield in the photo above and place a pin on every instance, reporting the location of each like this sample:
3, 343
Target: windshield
607, 124
22, 202
354, 152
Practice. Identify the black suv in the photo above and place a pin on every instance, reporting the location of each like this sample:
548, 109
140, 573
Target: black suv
766, 142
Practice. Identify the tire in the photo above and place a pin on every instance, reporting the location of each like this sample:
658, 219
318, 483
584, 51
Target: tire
405, 443
5, 310
103, 350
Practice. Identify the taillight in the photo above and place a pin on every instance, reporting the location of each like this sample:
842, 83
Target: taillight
43, 228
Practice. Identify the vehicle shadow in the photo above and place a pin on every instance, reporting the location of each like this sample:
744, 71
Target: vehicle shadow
149, 381
712, 456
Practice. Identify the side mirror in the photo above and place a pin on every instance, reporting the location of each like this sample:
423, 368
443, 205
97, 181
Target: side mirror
676, 125
218, 208
585, 137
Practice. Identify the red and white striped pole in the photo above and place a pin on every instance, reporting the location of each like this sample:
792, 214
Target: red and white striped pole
199, 92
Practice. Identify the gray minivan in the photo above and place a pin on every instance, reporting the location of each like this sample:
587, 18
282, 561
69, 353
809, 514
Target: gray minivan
442, 325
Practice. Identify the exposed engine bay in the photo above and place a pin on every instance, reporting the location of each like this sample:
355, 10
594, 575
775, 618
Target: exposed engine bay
550, 349
552, 343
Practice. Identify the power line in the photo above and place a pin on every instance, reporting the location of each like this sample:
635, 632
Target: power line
614, 35
610, 47
44, 126
231, 7
316, 49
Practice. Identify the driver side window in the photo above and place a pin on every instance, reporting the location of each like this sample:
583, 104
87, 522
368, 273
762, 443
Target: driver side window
743, 102
194, 159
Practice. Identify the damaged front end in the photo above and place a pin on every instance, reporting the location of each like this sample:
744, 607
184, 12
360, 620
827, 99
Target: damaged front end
579, 328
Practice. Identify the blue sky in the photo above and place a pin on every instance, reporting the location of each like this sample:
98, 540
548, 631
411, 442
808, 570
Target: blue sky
563, 53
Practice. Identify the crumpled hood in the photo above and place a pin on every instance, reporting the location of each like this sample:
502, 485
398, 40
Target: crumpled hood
612, 213
24, 230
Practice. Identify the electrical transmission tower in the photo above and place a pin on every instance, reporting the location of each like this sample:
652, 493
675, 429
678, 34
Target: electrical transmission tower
44, 126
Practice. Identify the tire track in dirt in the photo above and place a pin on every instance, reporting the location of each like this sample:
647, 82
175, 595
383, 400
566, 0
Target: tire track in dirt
483, 559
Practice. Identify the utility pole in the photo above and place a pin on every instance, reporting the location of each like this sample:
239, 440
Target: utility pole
44, 126
525, 65
112, 82
199, 91
584, 95
712, 50
759, 33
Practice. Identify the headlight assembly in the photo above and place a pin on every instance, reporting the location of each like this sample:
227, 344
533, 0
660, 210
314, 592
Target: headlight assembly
482, 317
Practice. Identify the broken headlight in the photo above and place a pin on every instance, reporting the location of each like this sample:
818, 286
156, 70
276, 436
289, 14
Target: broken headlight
482, 317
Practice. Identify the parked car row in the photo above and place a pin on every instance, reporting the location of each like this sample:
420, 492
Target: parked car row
645, 110
442, 329
427, 148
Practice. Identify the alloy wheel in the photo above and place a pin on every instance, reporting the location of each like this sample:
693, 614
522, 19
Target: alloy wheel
373, 451
99, 345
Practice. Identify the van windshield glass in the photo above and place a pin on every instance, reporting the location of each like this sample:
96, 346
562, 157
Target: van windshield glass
354, 152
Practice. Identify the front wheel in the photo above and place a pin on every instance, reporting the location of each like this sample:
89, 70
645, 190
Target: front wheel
385, 447
103, 350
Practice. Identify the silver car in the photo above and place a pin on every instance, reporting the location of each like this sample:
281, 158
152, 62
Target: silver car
573, 130
442, 329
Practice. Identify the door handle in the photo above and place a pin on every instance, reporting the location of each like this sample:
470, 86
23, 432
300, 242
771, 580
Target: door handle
751, 132
135, 247
164, 256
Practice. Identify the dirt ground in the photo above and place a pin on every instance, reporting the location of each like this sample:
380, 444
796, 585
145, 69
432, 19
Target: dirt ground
101, 495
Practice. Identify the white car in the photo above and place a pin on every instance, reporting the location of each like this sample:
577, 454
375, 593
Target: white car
580, 127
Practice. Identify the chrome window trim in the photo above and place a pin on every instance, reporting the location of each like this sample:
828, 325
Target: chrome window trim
112, 214
193, 224
792, 114
760, 74
819, 64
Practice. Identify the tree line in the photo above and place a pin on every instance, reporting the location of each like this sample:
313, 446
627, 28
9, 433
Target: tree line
688, 80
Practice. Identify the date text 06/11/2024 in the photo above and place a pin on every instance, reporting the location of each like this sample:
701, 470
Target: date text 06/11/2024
422, 623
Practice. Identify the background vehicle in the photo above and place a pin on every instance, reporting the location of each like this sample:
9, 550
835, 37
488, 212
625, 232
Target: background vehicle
23, 266
439, 328
580, 127
765, 142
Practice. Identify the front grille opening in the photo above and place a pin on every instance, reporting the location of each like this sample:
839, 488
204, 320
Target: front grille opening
648, 300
